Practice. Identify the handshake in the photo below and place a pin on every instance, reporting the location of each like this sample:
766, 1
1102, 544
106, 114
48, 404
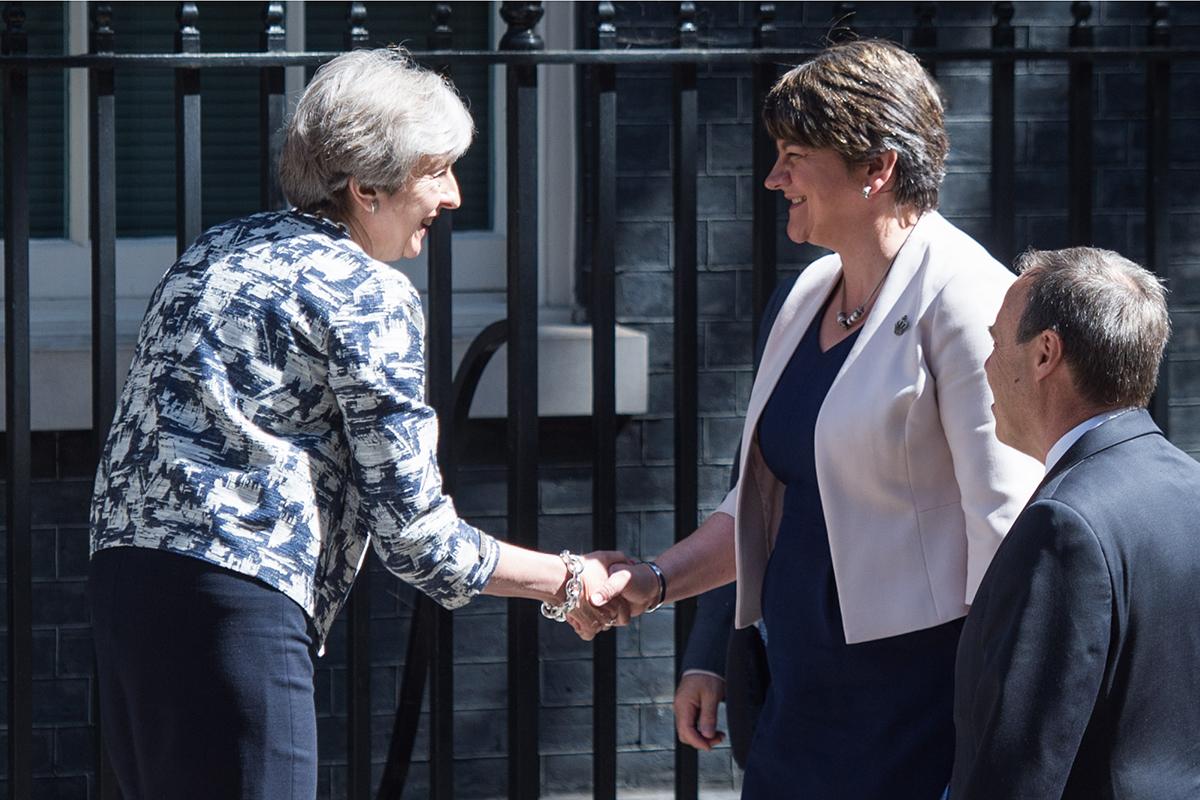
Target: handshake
612, 590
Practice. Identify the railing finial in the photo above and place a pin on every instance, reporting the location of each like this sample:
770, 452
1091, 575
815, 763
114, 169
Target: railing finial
687, 35
187, 38
1003, 34
1081, 28
925, 13
606, 29
521, 18
273, 34
925, 34
357, 35
1160, 23
765, 30
442, 35
1081, 12
102, 31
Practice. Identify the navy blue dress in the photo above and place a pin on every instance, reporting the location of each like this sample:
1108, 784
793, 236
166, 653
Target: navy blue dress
863, 721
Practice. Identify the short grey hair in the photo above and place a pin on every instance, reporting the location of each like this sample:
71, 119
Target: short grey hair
374, 115
1110, 313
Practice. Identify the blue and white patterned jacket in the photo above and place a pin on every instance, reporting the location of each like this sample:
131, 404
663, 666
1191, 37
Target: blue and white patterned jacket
274, 421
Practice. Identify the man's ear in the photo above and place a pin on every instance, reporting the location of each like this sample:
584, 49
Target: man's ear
880, 170
363, 198
1047, 354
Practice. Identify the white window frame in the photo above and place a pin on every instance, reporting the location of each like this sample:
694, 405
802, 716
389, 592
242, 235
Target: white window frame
60, 267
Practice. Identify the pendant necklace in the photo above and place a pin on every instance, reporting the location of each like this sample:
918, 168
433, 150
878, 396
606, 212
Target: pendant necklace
848, 321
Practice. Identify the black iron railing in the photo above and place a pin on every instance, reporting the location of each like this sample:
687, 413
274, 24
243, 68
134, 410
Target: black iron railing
431, 637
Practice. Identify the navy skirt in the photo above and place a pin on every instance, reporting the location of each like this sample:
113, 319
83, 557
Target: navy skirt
205, 679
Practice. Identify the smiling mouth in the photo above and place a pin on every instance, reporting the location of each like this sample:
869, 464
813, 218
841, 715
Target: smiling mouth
796, 201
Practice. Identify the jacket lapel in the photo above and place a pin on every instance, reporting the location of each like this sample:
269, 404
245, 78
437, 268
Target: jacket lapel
908, 260
1129, 425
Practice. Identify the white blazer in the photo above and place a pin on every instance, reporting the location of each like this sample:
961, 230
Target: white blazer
917, 492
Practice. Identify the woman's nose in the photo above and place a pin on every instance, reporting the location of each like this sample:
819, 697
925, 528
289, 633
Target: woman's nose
776, 177
452, 198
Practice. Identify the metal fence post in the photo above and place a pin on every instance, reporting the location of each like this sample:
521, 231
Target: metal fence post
1158, 178
1079, 131
271, 109
441, 389
1004, 137
764, 274
522, 175
187, 132
604, 398
684, 141
18, 449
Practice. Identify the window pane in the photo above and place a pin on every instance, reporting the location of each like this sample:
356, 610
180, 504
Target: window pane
146, 118
47, 188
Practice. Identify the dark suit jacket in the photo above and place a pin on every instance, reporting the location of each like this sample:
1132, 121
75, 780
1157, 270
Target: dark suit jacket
1078, 671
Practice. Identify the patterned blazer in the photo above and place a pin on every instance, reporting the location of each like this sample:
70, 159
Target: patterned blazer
273, 422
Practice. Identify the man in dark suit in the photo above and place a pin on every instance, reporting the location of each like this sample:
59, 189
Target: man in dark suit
1078, 671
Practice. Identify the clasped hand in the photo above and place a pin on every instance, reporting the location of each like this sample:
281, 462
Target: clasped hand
615, 590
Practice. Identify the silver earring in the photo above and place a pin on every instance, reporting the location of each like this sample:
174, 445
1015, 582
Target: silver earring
866, 193
374, 206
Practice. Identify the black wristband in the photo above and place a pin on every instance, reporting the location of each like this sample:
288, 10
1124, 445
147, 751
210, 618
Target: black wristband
662, 586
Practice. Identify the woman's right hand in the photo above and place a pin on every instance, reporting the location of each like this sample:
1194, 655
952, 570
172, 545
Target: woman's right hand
587, 619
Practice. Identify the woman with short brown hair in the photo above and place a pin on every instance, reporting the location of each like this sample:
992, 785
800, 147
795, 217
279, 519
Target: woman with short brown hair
873, 491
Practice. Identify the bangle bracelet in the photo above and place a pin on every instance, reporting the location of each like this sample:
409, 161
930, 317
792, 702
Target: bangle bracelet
573, 589
662, 586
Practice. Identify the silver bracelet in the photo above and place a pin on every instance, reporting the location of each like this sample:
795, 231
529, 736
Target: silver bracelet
662, 586
574, 588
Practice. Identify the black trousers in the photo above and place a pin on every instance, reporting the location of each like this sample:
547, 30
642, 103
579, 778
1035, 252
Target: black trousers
205, 678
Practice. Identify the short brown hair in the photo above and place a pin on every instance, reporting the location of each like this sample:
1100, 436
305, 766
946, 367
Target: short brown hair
1110, 314
861, 99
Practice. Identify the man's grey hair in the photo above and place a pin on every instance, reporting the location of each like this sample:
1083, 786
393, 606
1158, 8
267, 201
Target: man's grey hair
374, 115
1110, 313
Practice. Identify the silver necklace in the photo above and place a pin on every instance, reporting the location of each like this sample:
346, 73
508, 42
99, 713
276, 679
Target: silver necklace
848, 321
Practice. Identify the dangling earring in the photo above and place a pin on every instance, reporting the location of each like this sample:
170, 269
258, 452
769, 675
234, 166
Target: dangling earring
374, 206
866, 193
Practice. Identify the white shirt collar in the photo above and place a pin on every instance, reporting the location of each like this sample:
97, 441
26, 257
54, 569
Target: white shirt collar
1072, 436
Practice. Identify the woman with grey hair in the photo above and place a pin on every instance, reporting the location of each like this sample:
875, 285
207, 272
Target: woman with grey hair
272, 424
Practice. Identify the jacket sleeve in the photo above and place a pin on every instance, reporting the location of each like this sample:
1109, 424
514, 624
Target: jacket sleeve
708, 641
378, 376
994, 480
1030, 672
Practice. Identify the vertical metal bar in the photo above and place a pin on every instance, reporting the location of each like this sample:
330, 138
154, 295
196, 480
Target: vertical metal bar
102, 218
604, 400
358, 662
763, 77
187, 132
684, 134
440, 374
1004, 136
357, 34
358, 640
524, 694
1079, 131
271, 109
103, 232
925, 34
1158, 200
18, 450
